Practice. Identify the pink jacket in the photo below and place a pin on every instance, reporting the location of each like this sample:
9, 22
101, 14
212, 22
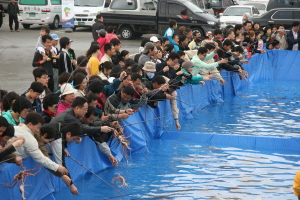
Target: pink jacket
62, 106
110, 36
102, 42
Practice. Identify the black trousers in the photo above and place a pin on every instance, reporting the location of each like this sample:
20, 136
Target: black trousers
13, 18
51, 83
1, 19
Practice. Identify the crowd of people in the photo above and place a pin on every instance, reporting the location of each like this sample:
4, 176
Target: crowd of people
91, 95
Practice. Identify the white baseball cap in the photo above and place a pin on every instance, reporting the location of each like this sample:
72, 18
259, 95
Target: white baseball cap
154, 39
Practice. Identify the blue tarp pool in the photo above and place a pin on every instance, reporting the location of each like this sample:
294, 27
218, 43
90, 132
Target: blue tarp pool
212, 157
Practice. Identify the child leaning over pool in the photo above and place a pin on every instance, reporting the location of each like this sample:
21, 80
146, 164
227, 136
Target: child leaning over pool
187, 67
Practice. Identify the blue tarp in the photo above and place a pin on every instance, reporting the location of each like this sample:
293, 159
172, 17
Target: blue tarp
144, 125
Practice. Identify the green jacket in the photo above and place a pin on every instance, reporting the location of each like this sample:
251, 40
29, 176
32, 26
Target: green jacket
200, 64
7, 115
194, 80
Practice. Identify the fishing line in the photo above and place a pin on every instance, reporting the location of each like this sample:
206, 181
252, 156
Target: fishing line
95, 174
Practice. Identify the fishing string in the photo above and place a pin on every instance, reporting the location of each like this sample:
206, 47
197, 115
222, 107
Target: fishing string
94, 174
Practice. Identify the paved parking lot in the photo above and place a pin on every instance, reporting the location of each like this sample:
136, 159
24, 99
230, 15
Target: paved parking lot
17, 50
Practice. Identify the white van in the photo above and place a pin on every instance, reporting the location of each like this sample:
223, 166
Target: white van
40, 12
86, 11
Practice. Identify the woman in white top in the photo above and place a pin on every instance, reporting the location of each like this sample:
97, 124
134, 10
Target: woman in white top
80, 82
106, 69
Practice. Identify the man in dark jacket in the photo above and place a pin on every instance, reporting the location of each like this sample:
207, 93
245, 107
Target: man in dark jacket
97, 26
157, 94
293, 37
167, 69
13, 12
75, 114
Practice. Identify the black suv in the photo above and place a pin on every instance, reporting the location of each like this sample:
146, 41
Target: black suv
285, 16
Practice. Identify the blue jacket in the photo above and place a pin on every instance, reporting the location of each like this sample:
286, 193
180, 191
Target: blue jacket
169, 34
194, 80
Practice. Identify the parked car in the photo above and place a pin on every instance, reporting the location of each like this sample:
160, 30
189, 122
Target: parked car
273, 4
138, 17
261, 7
285, 16
234, 14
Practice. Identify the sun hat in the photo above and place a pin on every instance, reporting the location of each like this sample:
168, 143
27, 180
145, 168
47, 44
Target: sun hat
54, 36
148, 46
187, 65
154, 39
149, 67
67, 88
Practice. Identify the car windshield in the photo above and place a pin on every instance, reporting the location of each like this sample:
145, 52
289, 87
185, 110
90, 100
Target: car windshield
193, 7
91, 3
236, 11
259, 6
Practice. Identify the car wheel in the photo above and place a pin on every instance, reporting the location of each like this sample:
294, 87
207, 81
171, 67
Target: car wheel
126, 33
55, 23
26, 26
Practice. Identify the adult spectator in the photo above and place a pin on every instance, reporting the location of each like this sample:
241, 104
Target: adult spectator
118, 106
183, 43
156, 92
293, 37
93, 65
192, 45
238, 28
8, 100
247, 26
97, 26
75, 114
20, 108
67, 96
167, 69
65, 62
102, 41
50, 105
155, 41
218, 35
199, 60
30, 147
116, 58
33, 95
109, 50
80, 83
148, 52
106, 69
281, 37
110, 34
13, 12
46, 61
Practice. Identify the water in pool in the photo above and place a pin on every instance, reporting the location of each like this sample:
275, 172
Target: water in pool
265, 109
175, 169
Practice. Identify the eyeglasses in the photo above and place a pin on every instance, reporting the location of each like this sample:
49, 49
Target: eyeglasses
46, 78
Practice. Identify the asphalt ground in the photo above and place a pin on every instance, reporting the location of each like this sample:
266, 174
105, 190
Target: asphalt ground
17, 50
